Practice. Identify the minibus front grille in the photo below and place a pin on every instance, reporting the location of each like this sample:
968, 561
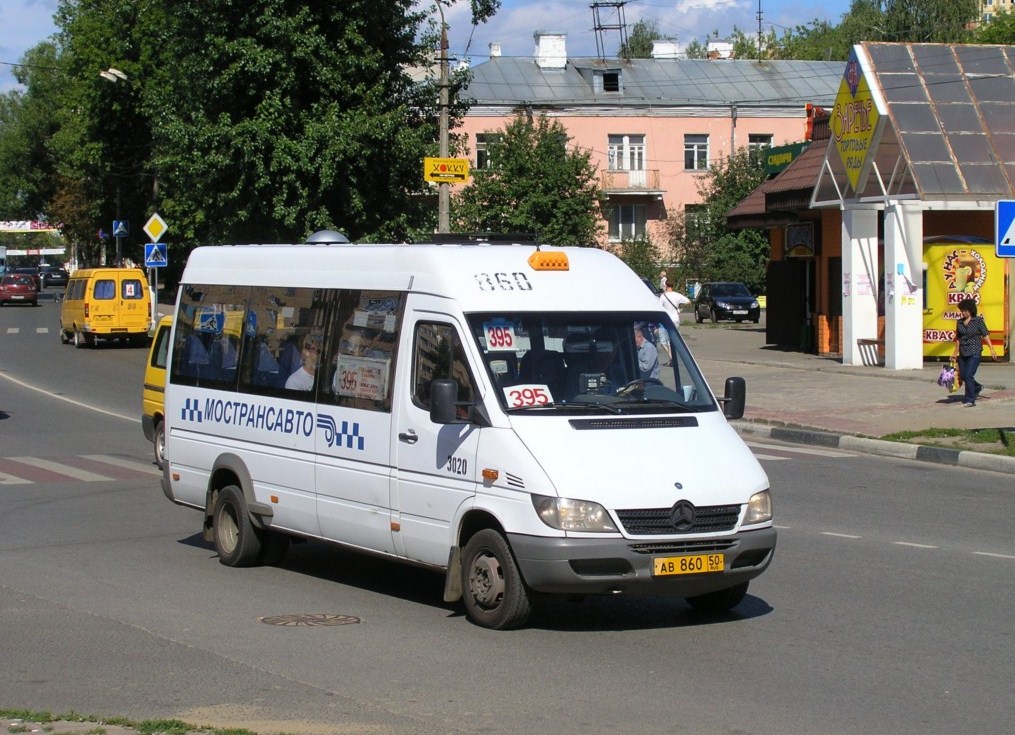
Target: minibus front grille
660, 521
684, 547
642, 422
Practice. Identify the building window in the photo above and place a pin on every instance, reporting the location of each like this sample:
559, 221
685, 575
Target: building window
626, 153
483, 143
627, 222
606, 81
695, 222
759, 141
695, 152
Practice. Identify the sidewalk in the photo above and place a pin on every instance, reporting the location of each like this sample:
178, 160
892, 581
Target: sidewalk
807, 398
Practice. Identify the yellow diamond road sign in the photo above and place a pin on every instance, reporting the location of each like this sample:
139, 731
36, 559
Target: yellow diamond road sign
155, 227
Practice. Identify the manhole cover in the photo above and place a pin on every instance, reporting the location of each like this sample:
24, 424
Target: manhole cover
309, 619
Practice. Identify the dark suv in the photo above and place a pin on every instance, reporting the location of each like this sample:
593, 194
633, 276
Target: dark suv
729, 301
53, 275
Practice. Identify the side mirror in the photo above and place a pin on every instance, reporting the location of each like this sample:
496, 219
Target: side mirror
735, 399
443, 396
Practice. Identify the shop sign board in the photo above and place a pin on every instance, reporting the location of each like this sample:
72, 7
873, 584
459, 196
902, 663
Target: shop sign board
967, 268
856, 123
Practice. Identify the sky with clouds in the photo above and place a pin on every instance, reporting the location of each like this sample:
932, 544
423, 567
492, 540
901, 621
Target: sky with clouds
24, 23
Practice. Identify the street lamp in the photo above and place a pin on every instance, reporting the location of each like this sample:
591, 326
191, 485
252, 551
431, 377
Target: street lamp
115, 75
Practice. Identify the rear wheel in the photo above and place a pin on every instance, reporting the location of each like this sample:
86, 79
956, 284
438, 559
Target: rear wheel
495, 593
719, 601
697, 316
79, 339
236, 541
159, 444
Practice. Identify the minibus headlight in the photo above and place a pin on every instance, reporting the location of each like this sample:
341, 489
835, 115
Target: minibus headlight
565, 514
759, 508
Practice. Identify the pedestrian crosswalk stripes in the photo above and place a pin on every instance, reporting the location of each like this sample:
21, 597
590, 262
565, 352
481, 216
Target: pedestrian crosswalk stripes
74, 468
779, 452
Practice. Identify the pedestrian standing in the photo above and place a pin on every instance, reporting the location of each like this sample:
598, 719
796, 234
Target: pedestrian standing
970, 334
662, 280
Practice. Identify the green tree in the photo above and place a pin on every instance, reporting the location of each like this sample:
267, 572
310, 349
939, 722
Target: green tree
929, 21
1000, 29
535, 183
641, 256
703, 243
696, 50
27, 125
639, 41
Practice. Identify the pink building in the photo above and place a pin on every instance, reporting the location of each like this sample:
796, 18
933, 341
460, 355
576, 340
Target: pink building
652, 125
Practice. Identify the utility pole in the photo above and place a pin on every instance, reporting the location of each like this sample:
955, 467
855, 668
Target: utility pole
444, 189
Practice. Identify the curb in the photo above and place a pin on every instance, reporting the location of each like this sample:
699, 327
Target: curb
899, 450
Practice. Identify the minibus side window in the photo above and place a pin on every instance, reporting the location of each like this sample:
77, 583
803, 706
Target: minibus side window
363, 349
206, 347
104, 290
284, 341
438, 353
130, 288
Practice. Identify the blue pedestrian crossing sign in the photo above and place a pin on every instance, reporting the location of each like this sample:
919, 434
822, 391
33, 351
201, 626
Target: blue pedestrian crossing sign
155, 255
1004, 228
121, 228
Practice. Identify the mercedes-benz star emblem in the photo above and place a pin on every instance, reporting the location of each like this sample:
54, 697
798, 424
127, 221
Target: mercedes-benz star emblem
682, 515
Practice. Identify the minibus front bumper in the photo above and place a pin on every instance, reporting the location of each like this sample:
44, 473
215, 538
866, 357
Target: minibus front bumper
593, 566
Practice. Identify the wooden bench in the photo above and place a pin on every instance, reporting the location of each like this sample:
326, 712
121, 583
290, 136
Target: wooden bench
872, 352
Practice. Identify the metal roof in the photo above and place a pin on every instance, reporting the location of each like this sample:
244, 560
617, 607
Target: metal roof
951, 135
513, 81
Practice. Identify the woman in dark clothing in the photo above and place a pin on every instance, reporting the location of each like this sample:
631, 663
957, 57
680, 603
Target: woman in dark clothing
970, 334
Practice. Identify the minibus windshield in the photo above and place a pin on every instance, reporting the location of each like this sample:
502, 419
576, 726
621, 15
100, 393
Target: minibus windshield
605, 362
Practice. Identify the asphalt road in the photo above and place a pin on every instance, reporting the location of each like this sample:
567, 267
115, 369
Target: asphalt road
888, 607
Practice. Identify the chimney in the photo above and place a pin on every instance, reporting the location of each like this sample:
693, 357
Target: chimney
494, 49
551, 50
665, 50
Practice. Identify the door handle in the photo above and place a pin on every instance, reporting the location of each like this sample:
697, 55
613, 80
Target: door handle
409, 437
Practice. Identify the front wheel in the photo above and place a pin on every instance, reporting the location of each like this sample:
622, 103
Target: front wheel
713, 316
495, 594
236, 541
720, 601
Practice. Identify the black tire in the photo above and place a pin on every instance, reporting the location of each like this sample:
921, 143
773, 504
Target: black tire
236, 541
697, 316
159, 444
720, 601
274, 547
79, 339
495, 594
713, 316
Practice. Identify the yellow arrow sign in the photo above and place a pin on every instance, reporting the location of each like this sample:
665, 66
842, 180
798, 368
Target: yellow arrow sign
444, 170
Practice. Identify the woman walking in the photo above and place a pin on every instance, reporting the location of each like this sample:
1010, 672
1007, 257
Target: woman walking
970, 334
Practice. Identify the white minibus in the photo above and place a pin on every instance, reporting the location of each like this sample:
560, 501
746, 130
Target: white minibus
495, 411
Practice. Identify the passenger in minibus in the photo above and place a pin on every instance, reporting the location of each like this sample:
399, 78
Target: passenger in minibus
310, 354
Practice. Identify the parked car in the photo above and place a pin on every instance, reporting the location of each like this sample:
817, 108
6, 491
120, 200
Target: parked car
726, 301
17, 288
53, 275
31, 273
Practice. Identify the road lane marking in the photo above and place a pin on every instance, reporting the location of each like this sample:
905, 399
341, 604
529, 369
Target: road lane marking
79, 404
801, 450
915, 546
13, 330
994, 556
6, 479
771, 457
42, 330
62, 469
125, 463
840, 535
